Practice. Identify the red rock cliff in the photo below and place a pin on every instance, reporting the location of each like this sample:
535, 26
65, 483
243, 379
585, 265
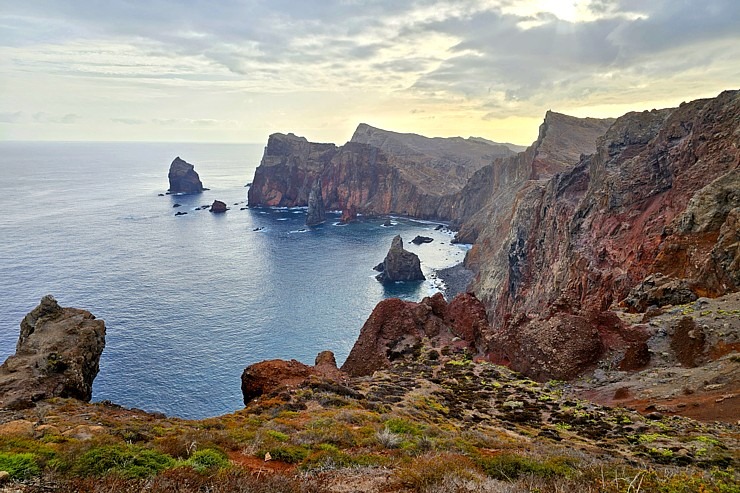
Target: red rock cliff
661, 194
377, 172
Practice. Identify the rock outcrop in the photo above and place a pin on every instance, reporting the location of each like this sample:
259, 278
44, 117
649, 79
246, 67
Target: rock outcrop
377, 172
183, 178
659, 195
396, 329
316, 213
218, 207
277, 375
57, 355
399, 264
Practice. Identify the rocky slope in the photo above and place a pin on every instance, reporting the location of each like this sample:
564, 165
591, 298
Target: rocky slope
377, 172
57, 355
659, 195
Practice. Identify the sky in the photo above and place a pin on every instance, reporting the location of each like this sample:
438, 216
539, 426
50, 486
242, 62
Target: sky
239, 70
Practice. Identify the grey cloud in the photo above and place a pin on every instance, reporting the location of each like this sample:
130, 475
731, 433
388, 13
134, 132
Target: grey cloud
11, 117
42, 117
497, 54
128, 121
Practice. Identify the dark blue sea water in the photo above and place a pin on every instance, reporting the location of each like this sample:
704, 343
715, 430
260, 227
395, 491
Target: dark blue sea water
188, 301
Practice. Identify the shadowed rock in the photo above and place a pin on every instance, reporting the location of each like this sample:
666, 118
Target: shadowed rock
400, 264
183, 178
316, 212
57, 355
218, 207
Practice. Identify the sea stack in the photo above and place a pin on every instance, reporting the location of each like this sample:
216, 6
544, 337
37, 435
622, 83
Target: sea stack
57, 355
400, 264
218, 207
316, 212
183, 178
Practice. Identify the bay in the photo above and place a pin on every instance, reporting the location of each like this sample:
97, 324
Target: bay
188, 301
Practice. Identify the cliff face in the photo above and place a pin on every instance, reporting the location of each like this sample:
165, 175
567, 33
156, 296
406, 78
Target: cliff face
377, 172
659, 195
486, 200
57, 355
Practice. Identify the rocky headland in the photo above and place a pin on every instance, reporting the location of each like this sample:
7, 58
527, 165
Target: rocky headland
183, 178
376, 172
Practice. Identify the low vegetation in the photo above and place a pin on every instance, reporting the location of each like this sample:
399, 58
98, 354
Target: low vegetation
418, 427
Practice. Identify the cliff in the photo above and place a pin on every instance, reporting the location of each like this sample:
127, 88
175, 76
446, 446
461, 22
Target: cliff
659, 195
57, 355
377, 172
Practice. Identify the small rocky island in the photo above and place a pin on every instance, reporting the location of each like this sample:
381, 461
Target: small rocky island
183, 178
399, 264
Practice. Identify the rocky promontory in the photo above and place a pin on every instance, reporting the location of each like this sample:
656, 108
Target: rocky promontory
377, 172
183, 178
57, 355
399, 264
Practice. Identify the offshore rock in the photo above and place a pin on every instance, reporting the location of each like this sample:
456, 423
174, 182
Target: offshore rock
396, 329
183, 178
218, 207
418, 240
376, 173
316, 212
57, 355
267, 377
400, 264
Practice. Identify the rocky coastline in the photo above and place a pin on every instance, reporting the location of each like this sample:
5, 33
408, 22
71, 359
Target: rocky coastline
594, 331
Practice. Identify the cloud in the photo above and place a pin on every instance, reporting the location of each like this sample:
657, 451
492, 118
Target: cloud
42, 117
129, 121
11, 117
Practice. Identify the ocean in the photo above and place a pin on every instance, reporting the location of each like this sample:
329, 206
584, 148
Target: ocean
188, 301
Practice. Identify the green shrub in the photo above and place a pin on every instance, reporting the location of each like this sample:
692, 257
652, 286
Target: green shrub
398, 425
292, 454
207, 459
511, 466
128, 461
19, 466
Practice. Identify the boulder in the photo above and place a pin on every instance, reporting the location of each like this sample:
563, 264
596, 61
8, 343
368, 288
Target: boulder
183, 178
316, 213
422, 239
400, 264
218, 207
267, 377
57, 355
659, 290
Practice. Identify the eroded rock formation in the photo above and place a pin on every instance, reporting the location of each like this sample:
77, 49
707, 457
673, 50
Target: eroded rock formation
57, 355
377, 172
396, 329
399, 264
659, 195
276, 375
316, 213
183, 178
218, 207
